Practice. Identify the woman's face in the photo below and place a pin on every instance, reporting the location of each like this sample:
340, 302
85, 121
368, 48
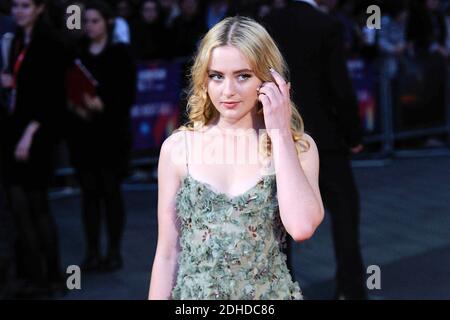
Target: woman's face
26, 12
167, 4
123, 9
189, 7
432, 4
149, 12
231, 83
95, 25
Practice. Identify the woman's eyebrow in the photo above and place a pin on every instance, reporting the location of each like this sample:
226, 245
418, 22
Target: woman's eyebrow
235, 72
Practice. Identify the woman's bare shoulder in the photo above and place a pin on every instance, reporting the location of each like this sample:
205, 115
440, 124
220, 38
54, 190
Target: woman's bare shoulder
308, 147
173, 140
173, 151
180, 136
309, 139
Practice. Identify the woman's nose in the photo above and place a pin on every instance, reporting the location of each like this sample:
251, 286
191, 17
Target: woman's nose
229, 88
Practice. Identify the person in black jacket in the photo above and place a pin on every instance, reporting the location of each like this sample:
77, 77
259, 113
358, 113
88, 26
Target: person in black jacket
36, 78
100, 138
187, 29
426, 33
6, 225
312, 44
149, 36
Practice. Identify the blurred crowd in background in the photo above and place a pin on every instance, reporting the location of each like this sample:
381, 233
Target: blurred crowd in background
171, 28
414, 37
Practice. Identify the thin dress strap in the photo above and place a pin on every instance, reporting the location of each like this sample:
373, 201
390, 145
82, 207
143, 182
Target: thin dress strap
187, 153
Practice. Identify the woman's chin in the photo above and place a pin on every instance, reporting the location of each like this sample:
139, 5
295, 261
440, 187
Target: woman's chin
231, 113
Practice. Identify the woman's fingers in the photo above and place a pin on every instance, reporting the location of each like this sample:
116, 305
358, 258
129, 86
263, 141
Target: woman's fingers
281, 83
264, 100
270, 89
274, 94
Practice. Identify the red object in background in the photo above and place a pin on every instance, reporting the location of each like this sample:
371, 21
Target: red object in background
367, 107
79, 82
363, 79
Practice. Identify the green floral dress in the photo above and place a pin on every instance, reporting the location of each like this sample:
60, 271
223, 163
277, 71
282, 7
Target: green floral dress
231, 247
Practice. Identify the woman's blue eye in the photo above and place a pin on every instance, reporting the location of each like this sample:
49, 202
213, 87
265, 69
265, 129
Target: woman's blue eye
241, 77
215, 76
244, 76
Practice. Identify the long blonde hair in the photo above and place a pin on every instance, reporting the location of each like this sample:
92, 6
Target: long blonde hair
259, 48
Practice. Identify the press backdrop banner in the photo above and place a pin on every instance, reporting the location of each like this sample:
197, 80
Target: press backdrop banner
156, 112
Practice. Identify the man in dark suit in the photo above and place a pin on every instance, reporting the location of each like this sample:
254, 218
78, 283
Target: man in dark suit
312, 44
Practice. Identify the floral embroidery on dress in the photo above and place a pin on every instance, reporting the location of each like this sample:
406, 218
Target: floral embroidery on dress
232, 247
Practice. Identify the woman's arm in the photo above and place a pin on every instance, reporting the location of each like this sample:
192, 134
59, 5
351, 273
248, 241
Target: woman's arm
165, 266
299, 199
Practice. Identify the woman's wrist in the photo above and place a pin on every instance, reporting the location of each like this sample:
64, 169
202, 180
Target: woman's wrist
281, 137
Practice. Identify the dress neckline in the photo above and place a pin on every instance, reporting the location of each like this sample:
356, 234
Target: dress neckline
228, 197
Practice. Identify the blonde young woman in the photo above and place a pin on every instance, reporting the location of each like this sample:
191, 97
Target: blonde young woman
237, 177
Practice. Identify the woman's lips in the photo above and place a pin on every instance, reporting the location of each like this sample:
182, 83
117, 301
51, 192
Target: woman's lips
230, 104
